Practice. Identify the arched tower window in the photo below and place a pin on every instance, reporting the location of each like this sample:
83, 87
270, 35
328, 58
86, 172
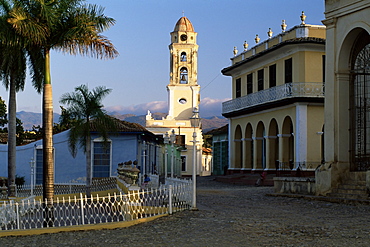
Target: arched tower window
183, 75
360, 103
183, 57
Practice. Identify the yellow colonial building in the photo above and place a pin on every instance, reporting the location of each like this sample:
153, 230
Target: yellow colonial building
276, 114
347, 100
183, 97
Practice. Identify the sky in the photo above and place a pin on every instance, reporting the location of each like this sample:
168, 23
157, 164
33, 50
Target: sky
139, 76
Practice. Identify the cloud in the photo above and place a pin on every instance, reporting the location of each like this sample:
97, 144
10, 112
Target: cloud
141, 109
208, 107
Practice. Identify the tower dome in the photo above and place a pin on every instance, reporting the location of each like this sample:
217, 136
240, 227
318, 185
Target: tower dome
184, 25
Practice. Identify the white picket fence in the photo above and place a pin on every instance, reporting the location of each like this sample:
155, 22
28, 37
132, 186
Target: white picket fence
31, 213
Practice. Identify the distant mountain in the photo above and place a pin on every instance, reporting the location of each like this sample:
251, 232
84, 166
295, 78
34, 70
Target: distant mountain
31, 118
213, 123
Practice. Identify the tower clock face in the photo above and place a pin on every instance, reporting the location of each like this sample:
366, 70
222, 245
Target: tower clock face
183, 37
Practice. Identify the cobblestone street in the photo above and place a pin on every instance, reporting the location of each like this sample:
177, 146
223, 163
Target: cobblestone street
231, 215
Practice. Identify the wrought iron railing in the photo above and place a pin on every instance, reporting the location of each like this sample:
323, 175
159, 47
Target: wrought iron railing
297, 168
288, 90
30, 213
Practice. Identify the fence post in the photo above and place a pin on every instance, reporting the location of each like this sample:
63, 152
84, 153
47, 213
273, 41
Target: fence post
82, 210
17, 213
170, 199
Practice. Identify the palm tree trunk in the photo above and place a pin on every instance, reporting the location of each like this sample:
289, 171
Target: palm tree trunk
88, 166
12, 138
48, 161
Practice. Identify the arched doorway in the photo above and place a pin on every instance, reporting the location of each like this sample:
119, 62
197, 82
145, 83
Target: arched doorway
238, 151
248, 147
273, 144
288, 143
260, 145
360, 103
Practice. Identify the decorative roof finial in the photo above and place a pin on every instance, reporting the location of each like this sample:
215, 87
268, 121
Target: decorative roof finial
235, 51
283, 26
303, 18
183, 13
245, 45
269, 33
257, 39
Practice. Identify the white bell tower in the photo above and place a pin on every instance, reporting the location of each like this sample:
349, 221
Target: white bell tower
183, 97
183, 90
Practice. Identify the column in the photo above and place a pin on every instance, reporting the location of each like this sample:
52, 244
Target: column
300, 135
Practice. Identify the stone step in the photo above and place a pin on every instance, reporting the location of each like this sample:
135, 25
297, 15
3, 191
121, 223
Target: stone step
348, 196
353, 186
357, 176
354, 182
351, 191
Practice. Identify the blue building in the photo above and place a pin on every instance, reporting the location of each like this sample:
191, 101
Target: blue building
131, 142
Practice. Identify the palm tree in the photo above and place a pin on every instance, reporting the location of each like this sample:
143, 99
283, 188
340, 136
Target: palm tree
13, 60
68, 26
85, 108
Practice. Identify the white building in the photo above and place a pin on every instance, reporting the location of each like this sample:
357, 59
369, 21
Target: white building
183, 96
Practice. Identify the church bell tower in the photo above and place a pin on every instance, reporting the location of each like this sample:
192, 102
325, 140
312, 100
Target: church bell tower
183, 90
183, 98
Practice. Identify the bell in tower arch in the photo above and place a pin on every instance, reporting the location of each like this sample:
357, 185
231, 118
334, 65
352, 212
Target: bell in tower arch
183, 76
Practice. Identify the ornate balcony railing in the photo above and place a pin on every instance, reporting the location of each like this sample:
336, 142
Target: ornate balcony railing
285, 91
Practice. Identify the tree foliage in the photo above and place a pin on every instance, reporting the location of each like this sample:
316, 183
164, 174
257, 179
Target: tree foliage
70, 26
84, 113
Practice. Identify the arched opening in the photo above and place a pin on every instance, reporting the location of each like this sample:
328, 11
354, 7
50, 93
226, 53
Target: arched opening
183, 57
260, 145
360, 103
238, 151
288, 144
183, 75
273, 145
248, 147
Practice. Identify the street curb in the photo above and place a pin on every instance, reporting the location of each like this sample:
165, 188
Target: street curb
100, 226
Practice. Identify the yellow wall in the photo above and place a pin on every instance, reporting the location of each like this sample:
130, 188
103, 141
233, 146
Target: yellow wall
315, 123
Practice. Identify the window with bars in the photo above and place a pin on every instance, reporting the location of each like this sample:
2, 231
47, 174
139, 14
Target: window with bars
288, 68
250, 83
360, 104
183, 163
101, 160
180, 141
260, 80
238, 88
39, 165
272, 75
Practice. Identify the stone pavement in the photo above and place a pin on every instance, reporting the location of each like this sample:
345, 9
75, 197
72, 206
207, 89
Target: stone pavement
231, 215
